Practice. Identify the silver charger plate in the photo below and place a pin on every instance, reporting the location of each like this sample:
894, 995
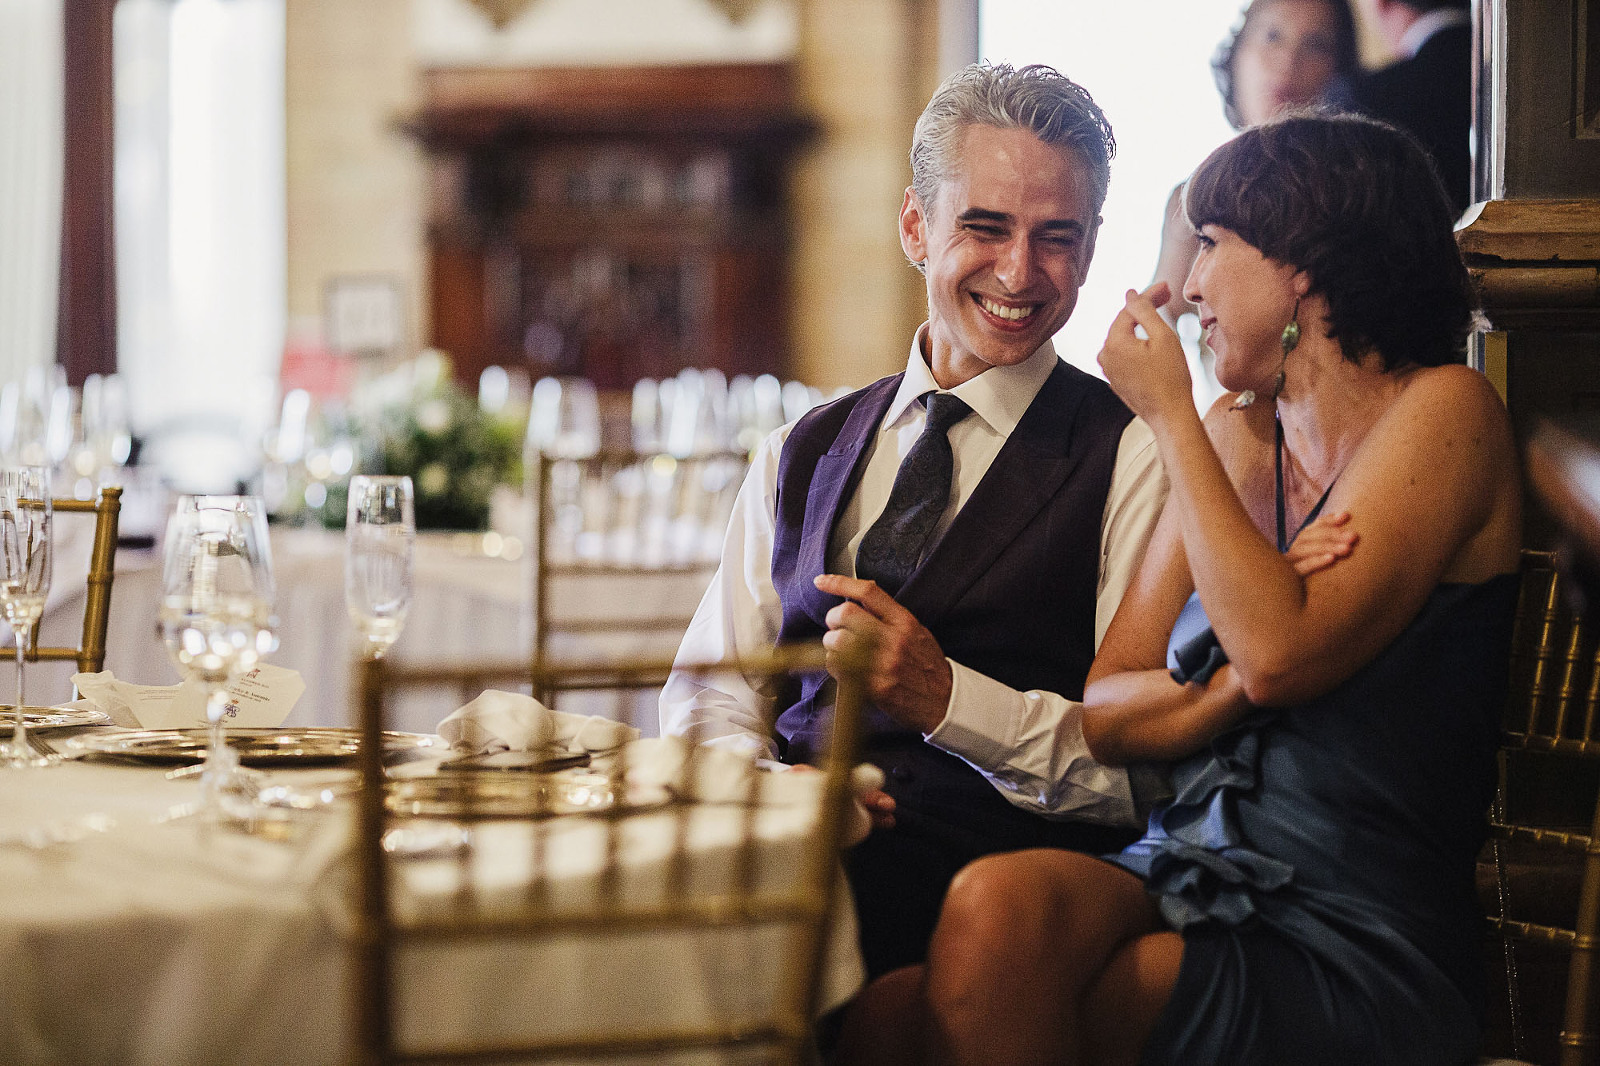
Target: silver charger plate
483, 795
284, 748
78, 712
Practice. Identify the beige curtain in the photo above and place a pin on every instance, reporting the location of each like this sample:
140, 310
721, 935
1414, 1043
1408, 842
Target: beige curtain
30, 182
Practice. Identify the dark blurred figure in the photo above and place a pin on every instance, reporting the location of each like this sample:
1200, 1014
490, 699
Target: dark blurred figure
1428, 90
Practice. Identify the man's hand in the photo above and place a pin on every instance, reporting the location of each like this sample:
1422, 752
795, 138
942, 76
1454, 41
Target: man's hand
872, 809
879, 806
907, 675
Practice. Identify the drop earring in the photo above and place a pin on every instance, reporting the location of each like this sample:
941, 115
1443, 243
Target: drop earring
1288, 340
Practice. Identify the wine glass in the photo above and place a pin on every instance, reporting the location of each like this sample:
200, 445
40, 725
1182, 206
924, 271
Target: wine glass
105, 427
216, 616
380, 529
24, 581
564, 418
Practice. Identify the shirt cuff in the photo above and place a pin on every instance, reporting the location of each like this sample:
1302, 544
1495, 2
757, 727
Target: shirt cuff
980, 720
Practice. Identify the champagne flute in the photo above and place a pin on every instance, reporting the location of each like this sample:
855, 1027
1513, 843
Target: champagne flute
24, 581
564, 418
380, 531
216, 616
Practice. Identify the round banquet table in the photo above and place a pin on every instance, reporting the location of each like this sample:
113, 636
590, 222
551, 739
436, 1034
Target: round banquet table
145, 944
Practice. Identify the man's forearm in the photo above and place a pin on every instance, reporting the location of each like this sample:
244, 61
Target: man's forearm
1030, 746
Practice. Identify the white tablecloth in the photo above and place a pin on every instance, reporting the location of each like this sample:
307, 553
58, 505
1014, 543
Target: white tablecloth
138, 945
466, 604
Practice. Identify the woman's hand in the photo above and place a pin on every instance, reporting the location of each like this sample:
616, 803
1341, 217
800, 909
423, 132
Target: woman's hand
1150, 373
1321, 544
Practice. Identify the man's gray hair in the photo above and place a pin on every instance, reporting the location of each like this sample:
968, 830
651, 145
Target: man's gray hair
1037, 98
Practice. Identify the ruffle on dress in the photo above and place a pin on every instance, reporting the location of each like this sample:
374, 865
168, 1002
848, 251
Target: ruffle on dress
1192, 856
1193, 654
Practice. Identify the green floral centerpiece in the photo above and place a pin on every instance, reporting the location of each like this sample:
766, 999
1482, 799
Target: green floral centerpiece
418, 421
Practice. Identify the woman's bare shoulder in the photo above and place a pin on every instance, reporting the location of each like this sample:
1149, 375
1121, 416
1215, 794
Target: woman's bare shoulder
1454, 380
1452, 398
1443, 456
1239, 432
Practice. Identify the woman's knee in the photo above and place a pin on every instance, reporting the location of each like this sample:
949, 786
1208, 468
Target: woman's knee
1030, 907
997, 898
1001, 912
1020, 888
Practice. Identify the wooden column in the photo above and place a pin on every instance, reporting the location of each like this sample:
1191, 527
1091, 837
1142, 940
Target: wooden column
1532, 240
1532, 243
86, 326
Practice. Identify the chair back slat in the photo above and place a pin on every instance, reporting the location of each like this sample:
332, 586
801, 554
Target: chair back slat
1550, 722
651, 523
549, 871
90, 653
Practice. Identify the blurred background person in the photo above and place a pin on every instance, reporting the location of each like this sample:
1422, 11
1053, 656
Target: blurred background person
1281, 55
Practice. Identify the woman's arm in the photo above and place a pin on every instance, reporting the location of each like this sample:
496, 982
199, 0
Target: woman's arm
1178, 248
1117, 709
1145, 716
1134, 712
1432, 486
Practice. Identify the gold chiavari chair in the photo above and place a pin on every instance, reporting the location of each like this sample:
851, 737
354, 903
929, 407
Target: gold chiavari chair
736, 888
1544, 853
624, 546
90, 654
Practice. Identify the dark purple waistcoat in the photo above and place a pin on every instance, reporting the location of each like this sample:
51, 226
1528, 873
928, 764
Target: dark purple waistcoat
1010, 588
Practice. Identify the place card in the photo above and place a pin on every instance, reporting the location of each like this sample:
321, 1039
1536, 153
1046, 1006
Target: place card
263, 697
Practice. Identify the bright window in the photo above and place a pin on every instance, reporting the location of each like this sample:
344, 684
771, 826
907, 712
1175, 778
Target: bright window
1147, 63
200, 228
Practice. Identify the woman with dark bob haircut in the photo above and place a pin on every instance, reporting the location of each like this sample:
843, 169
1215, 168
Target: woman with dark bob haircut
1328, 711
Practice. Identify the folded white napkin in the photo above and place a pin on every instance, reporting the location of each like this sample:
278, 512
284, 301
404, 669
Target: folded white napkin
510, 721
263, 697
720, 775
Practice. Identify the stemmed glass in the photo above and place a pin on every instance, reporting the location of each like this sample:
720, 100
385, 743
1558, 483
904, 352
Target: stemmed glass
380, 531
216, 615
105, 427
24, 581
564, 418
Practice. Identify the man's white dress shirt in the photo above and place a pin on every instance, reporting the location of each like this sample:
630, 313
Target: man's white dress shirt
1028, 744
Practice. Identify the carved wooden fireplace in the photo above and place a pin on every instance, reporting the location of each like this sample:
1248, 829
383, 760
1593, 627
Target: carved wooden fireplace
613, 223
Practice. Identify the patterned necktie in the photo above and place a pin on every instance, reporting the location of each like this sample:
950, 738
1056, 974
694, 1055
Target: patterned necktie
893, 546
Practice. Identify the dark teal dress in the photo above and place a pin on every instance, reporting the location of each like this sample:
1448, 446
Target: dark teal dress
1318, 859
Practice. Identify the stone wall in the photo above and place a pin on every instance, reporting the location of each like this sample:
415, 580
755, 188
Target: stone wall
354, 179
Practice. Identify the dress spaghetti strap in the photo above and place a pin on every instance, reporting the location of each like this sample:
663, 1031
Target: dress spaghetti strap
1284, 540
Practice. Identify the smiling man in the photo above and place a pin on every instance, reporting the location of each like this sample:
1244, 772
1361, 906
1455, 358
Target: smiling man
977, 517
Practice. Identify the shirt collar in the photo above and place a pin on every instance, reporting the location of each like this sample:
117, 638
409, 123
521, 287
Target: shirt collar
999, 395
1428, 24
